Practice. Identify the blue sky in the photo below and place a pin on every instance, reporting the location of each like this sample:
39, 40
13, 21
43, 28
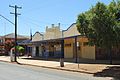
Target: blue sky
37, 14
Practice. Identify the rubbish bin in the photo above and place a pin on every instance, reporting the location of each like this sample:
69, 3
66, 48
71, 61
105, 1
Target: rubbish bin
61, 62
12, 55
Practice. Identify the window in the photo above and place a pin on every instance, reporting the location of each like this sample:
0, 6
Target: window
67, 45
85, 44
0, 41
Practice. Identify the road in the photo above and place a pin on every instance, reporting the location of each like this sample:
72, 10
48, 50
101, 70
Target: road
9, 71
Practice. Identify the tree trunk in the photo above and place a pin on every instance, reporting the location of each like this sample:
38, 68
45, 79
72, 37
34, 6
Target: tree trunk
110, 54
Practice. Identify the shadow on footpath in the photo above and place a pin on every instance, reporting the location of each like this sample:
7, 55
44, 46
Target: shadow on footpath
113, 71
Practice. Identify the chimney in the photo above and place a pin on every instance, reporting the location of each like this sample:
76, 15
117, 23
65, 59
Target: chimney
52, 25
46, 28
59, 25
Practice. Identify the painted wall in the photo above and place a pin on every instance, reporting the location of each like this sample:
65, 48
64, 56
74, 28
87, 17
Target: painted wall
33, 51
52, 33
88, 52
68, 48
49, 35
40, 51
83, 51
71, 31
37, 37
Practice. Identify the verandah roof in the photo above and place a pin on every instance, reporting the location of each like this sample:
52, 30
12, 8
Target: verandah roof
47, 41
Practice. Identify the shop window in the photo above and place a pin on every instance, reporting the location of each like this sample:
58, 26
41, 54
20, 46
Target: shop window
67, 45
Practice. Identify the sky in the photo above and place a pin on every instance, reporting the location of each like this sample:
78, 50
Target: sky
37, 14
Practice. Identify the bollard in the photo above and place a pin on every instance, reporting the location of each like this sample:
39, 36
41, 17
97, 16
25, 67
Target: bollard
12, 55
61, 62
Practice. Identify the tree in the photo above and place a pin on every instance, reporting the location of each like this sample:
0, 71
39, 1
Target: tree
20, 50
100, 26
8, 45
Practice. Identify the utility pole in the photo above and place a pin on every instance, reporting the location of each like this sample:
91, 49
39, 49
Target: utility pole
15, 7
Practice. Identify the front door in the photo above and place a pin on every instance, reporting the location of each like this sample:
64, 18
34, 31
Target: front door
37, 51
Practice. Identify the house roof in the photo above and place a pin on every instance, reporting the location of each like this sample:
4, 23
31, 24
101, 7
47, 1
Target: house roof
69, 27
12, 35
0, 37
52, 40
38, 33
25, 42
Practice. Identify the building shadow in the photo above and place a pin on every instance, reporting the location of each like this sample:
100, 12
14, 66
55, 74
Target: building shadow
113, 72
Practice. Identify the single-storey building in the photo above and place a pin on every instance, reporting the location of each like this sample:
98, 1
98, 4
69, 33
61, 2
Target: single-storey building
67, 44
50, 43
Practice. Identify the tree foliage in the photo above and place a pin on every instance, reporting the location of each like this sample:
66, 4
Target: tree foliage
8, 45
100, 24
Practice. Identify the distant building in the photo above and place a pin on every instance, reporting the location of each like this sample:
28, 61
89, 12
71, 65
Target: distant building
1, 45
6, 40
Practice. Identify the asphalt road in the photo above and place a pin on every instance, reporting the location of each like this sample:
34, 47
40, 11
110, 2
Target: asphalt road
9, 71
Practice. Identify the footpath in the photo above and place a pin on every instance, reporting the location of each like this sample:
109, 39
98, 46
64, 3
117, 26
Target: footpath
94, 69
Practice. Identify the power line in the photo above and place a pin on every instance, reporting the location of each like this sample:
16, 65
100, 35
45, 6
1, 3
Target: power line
7, 19
36, 22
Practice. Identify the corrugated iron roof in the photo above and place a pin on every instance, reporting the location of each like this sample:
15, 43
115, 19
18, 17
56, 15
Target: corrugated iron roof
12, 35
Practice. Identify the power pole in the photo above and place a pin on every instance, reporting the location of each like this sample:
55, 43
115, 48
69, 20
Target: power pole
15, 7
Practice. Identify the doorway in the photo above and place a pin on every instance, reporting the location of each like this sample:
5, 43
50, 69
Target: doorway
37, 51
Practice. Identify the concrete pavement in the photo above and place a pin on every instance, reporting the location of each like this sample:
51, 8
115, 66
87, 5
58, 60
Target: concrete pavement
85, 68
